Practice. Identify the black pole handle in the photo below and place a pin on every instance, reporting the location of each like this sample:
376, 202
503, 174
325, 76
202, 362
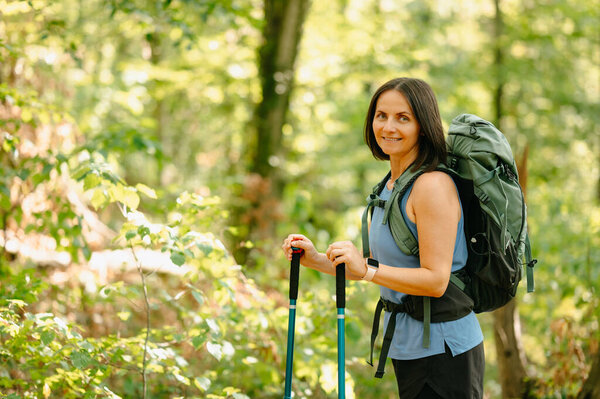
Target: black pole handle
340, 285
295, 272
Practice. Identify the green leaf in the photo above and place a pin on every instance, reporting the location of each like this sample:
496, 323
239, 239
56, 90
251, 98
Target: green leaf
87, 253
177, 258
98, 198
5, 202
205, 248
4, 190
198, 297
38, 178
47, 337
23, 174
92, 180
61, 158
130, 234
47, 168
81, 359
81, 172
198, 341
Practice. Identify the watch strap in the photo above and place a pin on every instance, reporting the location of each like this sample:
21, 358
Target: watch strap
372, 268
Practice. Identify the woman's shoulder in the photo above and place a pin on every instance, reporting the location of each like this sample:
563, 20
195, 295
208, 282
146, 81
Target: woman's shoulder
435, 192
435, 182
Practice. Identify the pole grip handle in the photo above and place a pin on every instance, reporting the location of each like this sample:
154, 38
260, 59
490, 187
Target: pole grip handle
340, 285
295, 272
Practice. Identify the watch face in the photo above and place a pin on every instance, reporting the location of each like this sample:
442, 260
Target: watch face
372, 262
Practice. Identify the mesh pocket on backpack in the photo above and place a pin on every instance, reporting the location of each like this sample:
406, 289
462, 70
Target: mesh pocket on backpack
494, 274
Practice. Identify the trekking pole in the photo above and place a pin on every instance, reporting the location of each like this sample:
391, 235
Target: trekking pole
294, 275
340, 299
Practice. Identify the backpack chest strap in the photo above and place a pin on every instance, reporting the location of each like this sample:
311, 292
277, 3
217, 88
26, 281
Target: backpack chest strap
372, 200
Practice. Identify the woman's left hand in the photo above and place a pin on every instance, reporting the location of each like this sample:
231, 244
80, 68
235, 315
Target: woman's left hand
346, 252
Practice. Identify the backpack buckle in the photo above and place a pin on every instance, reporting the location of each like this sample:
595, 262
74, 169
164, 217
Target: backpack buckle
453, 163
374, 200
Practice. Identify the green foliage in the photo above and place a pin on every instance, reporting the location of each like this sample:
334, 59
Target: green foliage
41, 352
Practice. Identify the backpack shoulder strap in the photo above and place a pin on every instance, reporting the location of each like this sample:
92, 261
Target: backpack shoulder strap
402, 235
404, 238
372, 200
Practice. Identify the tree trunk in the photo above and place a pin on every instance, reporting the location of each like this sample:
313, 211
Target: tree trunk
264, 185
281, 37
507, 325
591, 387
509, 351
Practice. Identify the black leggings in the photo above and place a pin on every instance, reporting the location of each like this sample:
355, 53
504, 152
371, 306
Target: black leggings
442, 376
428, 393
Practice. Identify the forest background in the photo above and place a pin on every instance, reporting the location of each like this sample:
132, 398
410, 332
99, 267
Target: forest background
155, 154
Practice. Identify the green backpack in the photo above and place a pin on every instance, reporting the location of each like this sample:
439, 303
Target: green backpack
482, 166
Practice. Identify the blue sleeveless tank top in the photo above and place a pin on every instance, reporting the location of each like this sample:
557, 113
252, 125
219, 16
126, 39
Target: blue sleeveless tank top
460, 335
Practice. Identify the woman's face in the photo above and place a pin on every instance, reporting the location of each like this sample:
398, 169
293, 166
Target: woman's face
395, 126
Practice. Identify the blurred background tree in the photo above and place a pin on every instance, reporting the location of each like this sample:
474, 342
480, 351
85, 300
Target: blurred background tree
255, 110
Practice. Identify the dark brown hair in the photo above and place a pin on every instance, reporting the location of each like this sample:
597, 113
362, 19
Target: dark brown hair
420, 96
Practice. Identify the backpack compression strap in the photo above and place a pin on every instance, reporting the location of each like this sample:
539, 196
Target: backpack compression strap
530, 264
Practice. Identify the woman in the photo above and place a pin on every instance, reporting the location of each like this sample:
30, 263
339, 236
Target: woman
403, 125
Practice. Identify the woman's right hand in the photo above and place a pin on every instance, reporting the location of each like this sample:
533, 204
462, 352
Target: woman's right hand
310, 255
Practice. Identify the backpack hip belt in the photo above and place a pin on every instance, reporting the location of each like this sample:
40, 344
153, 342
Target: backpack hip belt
453, 305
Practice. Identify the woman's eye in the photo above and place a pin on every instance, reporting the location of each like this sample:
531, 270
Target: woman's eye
403, 118
380, 116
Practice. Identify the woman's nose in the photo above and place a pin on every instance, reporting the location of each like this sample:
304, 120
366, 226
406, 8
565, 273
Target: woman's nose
389, 125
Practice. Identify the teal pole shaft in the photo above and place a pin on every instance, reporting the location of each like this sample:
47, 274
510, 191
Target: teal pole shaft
290, 350
294, 277
341, 355
340, 299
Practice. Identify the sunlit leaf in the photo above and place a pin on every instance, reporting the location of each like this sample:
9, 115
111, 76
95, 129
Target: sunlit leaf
46, 391
99, 198
215, 350
146, 190
92, 180
202, 383
124, 316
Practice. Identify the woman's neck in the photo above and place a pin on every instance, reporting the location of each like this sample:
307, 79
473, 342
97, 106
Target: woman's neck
399, 165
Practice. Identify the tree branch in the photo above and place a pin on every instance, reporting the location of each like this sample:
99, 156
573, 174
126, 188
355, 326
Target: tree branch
147, 306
